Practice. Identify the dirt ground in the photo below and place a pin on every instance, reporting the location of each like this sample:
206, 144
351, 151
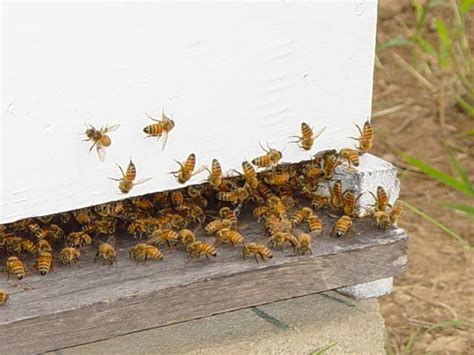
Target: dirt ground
439, 283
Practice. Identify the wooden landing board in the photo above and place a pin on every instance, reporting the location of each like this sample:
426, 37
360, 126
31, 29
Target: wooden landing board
76, 305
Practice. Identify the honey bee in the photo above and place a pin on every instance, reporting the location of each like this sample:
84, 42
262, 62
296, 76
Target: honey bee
307, 136
236, 196
336, 195
265, 191
397, 211
100, 138
381, 219
83, 216
381, 200
313, 172
320, 201
65, 217
256, 250
187, 236
44, 263
13, 244
277, 206
106, 252
301, 214
177, 200
29, 246
45, 219
15, 267
366, 137
342, 226
349, 202
69, 255
331, 162
227, 235
161, 128
138, 228
216, 225
3, 297
229, 214
270, 159
164, 235
279, 239
277, 178
261, 211
144, 251
127, 181
40, 233
275, 225
195, 249
55, 231
44, 246
250, 174
215, 177
304, 244
186, 170
351, 155
78, 239
314, 224
142, 202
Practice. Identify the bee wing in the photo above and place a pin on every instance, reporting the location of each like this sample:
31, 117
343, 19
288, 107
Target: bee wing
141, 181
165, 140
199, 170
101, 152
111, 128
317, 134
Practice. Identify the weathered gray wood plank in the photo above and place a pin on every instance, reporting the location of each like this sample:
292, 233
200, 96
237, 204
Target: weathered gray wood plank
76, 305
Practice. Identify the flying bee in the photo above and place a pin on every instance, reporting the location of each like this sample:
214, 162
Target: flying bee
100, 138
44, 246
144, 251
277, 178
214, 226
186, 170
127, 181
301, 214
29, 246
164, 235
69, 255
331, 162
320, 201
78, 239
342, 226
15, 267
161, 128
279, 239
307, 136
351, 155
3, 297
336, 195
187, 236
227, 235
304, 244
381, 200
396, 212
215, 174
106, 252
349, 202
250, 174
381, 219
314, 224
44, 263
270, 159
366, 137
195, 249
256, 250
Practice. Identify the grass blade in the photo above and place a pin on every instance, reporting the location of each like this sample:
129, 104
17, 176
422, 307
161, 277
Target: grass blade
469, 132
444, 42
438, 175
459, 169
394, 42
465, 6
466, 106
449, 323
325, 348
441, 226
468, 210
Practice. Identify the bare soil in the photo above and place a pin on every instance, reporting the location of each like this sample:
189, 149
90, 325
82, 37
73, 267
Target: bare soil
439, 284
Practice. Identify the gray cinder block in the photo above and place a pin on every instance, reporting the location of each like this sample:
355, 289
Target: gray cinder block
367, 290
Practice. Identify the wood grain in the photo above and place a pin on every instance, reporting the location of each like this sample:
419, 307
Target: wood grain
76, 305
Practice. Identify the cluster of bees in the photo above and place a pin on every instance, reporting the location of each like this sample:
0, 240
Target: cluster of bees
285, 198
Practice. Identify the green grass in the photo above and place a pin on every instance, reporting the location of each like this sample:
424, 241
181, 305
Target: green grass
325, 348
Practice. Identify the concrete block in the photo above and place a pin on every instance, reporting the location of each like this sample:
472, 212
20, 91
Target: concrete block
367, 290
297, 326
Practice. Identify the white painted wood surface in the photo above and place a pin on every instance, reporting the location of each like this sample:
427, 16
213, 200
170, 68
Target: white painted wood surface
230, 74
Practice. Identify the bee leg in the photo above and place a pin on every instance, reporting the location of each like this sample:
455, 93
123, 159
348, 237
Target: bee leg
256, 259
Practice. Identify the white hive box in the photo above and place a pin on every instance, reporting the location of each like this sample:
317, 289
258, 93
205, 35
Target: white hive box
230, 74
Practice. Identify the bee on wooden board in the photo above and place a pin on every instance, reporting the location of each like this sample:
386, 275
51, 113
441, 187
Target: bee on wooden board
279, 239
342, 226
320, 201
304, 244
198, 248
301, 214
187, 236
78, 239
15, 267
127, 181
100, 138
227, 235
44, 263
216, 225
366, 138
141, 252
167, 236
106, 252
306, 140
315, 225
69, 255
162, 127
3, 297
256, 249
270, 159
381, 219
